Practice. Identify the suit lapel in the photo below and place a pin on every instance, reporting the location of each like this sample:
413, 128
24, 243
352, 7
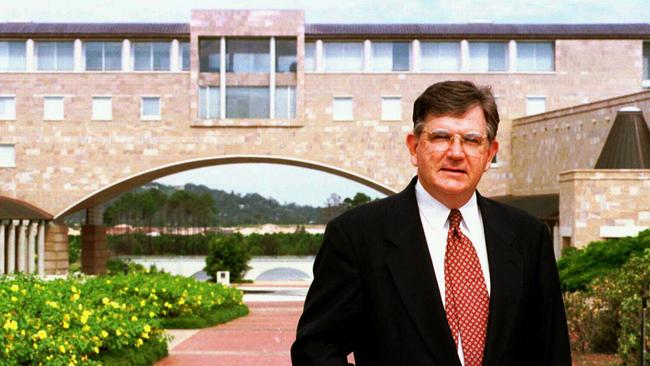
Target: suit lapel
409, 263
505, 279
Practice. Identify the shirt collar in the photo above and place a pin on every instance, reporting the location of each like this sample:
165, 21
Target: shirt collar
437, 213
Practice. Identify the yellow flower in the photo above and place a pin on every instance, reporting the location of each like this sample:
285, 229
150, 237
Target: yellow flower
151, 314
139, 342
147, 328
104, 334
105, 300
134, 318
142, 302
73, 289
144, 335
61, 349
96, 349
85, 328
14, 299
11, 325
41, 334
74, 297
15, 288
118, 332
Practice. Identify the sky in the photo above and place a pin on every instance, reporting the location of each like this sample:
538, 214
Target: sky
300, 185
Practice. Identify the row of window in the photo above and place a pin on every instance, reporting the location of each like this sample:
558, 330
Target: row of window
432, 56
240, 102
248, 55
247, 102
646, 62
96, 56
102, 108
391, 108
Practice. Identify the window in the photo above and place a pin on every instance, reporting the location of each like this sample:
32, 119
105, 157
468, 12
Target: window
185, 56
342, 109
102, 109
151, 56
646, 60
391, 56
103, 56
53, 108
535, 105
285, 55
12, 56
209, 102
488, 56
150, 108
535, 56
391, 108
247, 102
285, 102
7, 156
55, 56
310, 56
343, 56
248, 55
439, 56
209, 55
7, 107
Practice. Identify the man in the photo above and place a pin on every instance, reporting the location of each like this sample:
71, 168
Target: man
437, 274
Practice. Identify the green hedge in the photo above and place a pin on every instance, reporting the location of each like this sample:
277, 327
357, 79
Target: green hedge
579, 267
93, 320
298, 243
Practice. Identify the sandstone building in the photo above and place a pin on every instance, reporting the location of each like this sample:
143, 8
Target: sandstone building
88, 111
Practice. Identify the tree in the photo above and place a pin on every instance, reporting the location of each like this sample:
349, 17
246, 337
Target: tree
357, 200
228, 253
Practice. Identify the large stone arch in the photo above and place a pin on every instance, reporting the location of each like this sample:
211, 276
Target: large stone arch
94, 252
124, 185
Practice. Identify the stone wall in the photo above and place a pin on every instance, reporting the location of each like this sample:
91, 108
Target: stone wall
598, 204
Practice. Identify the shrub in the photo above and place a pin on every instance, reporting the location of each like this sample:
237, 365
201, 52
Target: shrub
623, 290
228, 253
87, 320
579, 267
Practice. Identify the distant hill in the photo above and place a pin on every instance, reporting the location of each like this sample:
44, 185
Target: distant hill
236, 209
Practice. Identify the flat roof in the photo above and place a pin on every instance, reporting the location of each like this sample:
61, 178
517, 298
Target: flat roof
444, 30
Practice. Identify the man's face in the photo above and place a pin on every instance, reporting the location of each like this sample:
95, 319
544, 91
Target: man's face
451, 175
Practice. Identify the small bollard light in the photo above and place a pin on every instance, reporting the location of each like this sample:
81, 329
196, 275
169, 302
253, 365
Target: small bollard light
223, 277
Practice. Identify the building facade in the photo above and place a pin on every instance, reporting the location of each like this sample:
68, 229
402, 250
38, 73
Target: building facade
88, 111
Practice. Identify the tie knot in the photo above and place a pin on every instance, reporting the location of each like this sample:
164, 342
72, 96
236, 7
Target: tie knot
454, 219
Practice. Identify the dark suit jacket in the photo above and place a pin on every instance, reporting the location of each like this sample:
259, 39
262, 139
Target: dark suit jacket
375, 294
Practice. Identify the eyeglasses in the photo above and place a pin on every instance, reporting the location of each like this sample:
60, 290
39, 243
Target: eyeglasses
471, 142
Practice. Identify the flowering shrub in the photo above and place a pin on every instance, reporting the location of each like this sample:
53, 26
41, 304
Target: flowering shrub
75, 321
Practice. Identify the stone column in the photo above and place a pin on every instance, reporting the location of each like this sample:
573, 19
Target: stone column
11, 247
94, 254
30, 63
415, 55
78, 57
2, 246
41, 248
31, 247
22, 245
174, 64
512, 56
464, 55
319, 56
367, 56
126, 55
55, 259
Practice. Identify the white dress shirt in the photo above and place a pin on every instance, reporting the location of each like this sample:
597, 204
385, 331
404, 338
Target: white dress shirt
433, 215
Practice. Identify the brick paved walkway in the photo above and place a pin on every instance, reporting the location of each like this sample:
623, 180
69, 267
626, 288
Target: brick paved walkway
263, 338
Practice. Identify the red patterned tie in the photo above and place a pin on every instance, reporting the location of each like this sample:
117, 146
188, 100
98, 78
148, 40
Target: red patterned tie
466, 296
